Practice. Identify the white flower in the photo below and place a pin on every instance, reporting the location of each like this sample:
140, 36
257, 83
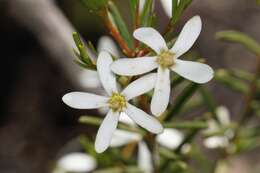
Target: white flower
170, 138
116, 101
76, 162
165, 60
219, 141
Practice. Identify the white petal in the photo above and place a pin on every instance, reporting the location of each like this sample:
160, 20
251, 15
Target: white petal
81, 100
89, 79
106, 76
167, 6
162, 91
216, 142
194, 71
134, 66
123, 137
188, 36
223, 115
141, 5
143, 119
77, 162
105, 131
144, 158
105, 43
124, 118
151, 38
140, 86
170, 138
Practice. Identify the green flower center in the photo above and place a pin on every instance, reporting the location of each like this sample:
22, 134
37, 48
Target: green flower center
117, 102
165, 59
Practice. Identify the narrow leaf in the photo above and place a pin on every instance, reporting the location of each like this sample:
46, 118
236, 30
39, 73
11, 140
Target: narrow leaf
121, 26
233, 83
147, 13
239, 37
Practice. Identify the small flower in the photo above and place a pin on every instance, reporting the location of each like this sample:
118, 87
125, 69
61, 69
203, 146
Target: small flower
219, 141
165, 60
116, 101
75, 162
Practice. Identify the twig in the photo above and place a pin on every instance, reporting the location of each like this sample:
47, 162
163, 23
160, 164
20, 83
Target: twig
116, 35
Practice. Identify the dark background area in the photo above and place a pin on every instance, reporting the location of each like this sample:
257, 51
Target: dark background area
35, 124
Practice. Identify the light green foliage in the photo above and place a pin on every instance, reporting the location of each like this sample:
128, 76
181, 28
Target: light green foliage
239, 37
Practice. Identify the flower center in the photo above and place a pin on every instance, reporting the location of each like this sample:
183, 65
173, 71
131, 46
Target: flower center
117, 102
165, 59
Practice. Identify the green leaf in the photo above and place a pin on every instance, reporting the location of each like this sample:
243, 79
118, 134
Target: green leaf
95, 5
147, 14
133, 7
83, 65
127, 169
258, 2
168, 153
178, 9
84, 59
239, 37
186, 125
119, 22
242, 74
233, 83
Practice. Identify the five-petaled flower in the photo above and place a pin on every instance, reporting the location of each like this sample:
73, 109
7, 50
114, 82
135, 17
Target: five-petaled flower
116, 101
165, 60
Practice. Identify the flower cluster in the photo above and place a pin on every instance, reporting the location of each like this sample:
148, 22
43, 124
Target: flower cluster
164, 60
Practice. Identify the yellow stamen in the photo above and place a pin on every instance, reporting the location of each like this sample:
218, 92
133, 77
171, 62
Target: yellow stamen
165, 59
117, 102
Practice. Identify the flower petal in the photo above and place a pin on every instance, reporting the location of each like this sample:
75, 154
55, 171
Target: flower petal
167, 6
151, 38
124, 118
170, 138
106, 76
105, 131
216, 142
188, 36
144, 158
89, 79
162, 91
81, 100
143, 119
134, 66
105, 43
140, 86
77, 162
223, 115
194, 71
123, 137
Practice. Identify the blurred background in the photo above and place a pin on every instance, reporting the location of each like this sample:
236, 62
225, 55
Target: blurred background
37, 69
